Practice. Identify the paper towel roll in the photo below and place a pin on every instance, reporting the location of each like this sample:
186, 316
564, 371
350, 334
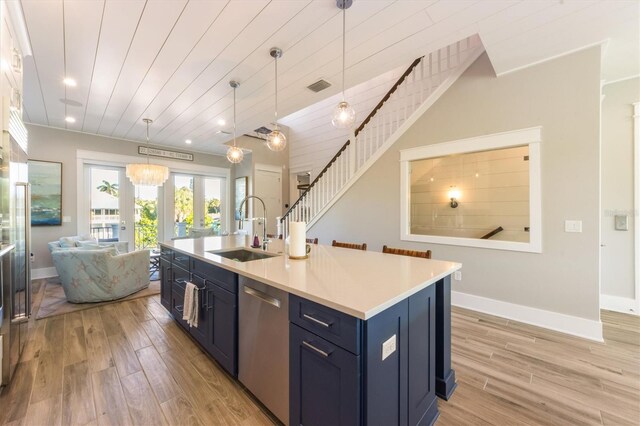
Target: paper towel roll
297, 239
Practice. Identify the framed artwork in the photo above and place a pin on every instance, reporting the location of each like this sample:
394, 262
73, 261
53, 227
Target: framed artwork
241, 192
45, 178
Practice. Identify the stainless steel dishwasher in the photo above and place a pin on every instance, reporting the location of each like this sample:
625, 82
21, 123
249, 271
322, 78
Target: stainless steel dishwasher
263, 344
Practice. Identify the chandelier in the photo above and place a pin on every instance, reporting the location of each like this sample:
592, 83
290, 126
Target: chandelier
146, 174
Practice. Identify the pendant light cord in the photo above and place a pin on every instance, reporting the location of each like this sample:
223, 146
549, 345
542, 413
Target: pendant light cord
148, 147
234, 116
344, 45
276, 111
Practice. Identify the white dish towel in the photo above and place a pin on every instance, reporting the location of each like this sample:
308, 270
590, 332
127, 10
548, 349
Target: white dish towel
191, 302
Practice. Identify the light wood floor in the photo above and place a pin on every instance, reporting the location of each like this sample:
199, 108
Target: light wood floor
129, 363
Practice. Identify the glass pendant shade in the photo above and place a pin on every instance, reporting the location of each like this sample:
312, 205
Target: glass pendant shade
147, 174
276, 140
235, 154
343, 116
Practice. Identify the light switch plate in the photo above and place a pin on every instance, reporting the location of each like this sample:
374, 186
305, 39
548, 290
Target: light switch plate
572, 226
621, 222
66, 219
457, 275
388, 347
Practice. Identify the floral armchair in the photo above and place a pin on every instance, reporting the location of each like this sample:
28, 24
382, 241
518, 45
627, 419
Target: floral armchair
99, 274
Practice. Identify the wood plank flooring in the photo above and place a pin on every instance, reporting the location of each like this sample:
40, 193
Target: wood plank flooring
129, 363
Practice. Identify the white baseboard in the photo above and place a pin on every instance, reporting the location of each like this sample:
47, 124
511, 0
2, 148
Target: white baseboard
581, 327
625, 305
44, 273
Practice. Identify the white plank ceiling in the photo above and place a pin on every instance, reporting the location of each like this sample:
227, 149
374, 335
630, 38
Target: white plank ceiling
171, 60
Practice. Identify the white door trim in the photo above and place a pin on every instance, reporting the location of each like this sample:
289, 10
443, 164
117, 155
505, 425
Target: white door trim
636, 196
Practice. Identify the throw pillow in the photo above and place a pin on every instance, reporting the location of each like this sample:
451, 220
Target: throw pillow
68, 242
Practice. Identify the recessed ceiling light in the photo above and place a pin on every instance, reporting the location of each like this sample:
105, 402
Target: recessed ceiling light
221, 122
69, 82
188, 141
70, 119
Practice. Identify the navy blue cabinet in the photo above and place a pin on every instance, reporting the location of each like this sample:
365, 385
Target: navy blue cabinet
217, 330
217, 323
324, 379
223, 335
165, 283
345, 371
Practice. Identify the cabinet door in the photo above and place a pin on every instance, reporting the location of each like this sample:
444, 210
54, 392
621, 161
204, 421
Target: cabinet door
324, 381
165, 283
222, 341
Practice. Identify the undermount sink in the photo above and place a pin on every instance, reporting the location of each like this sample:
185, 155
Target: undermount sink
242, 255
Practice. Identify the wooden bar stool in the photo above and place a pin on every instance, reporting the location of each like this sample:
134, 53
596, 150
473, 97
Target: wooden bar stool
312, 240
354, 246
405, 252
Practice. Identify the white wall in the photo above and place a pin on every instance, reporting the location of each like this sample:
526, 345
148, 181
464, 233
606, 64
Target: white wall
617, 189
562, 96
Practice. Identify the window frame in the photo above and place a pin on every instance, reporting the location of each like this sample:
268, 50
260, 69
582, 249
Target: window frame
531, 137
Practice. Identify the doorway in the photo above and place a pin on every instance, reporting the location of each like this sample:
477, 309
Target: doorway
197, 208
268, 186
107, 206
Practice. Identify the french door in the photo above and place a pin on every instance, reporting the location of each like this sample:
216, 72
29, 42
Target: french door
108, 203
120, 211
195, 202
186, 205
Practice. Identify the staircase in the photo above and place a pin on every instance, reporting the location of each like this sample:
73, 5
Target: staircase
421, 85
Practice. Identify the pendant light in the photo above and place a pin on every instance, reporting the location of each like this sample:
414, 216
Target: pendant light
234, 153
344, 115
276, 140
144, 173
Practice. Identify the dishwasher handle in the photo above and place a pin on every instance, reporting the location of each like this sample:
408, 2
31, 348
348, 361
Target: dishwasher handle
262, 296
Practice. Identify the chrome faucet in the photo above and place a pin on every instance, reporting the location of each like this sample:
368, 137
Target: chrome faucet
265, 241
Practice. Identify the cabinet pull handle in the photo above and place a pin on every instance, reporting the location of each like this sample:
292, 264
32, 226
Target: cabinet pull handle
180, 308
320, 351
262, 296
209, 305
181, 281
316, 320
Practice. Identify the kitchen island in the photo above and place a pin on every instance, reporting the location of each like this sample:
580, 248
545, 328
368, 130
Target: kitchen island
364, 337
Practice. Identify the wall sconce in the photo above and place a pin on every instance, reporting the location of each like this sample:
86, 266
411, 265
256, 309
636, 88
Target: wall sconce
453, 195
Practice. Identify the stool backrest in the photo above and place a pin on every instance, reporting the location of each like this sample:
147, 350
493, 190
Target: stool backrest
354, 246
405, 252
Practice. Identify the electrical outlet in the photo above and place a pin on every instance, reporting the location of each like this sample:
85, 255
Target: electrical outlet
66, 219
572, 226
388, 347
457, 275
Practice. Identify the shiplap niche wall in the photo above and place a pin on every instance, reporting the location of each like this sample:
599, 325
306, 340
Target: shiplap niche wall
493, 189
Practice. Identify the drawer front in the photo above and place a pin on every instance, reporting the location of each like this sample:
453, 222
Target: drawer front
181, 260
338, 328
166, 253
226, 279
179, 277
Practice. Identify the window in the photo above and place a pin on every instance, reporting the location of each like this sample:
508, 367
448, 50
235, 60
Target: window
478, 192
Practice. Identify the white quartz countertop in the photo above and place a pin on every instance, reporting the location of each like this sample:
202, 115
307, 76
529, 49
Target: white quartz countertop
358, 283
